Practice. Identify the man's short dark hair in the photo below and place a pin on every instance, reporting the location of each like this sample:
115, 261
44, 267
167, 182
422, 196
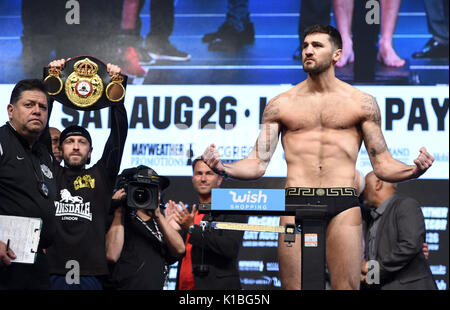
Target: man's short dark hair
333, 33
195, 162
24, 85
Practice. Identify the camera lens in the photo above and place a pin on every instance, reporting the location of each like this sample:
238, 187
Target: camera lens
141, 195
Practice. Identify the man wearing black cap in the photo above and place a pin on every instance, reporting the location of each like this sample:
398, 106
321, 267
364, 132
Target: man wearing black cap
77, 257
141, 243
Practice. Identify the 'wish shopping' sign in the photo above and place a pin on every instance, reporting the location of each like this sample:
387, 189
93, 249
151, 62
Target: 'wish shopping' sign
248, 199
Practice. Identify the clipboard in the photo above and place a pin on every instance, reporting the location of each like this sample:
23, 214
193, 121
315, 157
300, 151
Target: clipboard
23, 234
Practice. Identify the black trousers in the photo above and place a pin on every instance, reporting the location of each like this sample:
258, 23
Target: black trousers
18, 276
162, 19
313, 12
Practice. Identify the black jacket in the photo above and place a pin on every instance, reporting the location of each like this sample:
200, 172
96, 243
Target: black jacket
399, 242
143, 260
21, 170
218, 250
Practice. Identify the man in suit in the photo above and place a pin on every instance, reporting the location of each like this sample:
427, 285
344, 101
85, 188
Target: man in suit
210, 262
395, 238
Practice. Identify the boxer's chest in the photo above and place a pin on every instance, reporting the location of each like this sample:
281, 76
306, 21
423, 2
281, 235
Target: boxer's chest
328, 113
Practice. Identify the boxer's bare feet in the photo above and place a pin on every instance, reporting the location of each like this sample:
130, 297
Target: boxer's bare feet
388, 56
347, 53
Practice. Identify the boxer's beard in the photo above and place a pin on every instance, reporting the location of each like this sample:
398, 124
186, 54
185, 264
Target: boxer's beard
75, 165
317, 67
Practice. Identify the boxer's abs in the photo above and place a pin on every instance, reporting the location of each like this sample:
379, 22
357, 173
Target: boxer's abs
321, 158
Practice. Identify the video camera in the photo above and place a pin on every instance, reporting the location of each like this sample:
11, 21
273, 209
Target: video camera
142, 185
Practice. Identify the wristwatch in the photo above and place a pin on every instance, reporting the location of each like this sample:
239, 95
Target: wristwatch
222, 173
191, 229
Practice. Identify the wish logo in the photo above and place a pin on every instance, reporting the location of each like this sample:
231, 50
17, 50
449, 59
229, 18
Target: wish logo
247, 199
70, 208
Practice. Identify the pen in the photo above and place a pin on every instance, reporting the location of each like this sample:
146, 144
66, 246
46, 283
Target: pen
7, 247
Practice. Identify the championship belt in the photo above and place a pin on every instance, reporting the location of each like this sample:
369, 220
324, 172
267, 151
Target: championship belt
85, 84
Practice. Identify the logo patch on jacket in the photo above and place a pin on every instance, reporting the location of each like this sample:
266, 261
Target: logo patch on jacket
86, 181
71, 207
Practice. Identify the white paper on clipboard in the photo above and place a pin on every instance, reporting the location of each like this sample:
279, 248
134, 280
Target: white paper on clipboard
23, 234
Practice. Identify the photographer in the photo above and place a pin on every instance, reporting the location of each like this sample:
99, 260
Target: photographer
140, 241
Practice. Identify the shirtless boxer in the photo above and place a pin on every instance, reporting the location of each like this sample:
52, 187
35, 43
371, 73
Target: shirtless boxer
322, 122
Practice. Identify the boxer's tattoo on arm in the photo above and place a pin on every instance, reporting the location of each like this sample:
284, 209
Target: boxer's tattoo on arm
266, 143
373, 138
268, 137
271, 111
371, 109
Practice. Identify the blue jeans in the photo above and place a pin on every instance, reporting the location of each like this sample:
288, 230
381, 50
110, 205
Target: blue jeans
58, 282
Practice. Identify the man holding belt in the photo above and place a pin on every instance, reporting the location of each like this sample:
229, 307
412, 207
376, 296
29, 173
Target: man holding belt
83, 200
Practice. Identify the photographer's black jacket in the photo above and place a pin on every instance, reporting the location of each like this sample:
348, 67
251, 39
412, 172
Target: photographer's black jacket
142, 262
82, 205
21, 169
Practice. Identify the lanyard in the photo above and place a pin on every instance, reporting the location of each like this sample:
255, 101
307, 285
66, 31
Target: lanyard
158, 236
156, 233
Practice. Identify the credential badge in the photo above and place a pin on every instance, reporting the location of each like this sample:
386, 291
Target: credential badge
46, 171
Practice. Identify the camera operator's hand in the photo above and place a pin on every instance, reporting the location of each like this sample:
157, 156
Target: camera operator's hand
156, 214
145, 214
119, 194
